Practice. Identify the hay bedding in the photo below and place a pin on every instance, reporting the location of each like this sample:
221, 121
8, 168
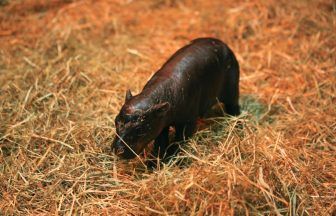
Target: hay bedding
64, 68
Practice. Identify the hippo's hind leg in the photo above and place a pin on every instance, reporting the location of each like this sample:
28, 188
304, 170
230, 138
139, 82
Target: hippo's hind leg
230, 91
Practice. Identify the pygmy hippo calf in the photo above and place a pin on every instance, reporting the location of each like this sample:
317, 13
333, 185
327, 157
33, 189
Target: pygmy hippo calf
183, 89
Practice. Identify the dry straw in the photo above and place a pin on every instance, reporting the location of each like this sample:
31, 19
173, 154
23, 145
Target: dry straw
64, 68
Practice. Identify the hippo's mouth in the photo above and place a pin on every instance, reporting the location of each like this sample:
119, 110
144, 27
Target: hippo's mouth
125, 151
127, 154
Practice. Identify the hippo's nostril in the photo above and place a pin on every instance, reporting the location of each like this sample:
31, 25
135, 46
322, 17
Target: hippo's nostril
119, 151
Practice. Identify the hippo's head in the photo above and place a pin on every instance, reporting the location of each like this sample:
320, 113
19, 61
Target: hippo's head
136, 126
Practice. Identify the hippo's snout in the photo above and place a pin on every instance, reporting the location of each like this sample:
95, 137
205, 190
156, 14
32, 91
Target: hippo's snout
118, 147
118, 150
121, 150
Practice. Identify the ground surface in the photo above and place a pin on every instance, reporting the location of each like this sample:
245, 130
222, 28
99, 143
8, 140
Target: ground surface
64, 69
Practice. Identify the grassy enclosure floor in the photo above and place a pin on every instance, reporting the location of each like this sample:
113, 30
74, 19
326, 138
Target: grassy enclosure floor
65, 66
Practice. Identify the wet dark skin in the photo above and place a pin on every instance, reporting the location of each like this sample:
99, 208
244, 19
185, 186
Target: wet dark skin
195, 78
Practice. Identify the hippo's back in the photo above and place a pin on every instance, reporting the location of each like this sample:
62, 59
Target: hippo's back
198, 56
198, 71
192, 79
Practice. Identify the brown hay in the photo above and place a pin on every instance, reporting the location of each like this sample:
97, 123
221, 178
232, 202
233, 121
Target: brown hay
64, 68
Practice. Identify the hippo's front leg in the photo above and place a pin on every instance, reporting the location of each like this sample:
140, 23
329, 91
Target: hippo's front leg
160, 146
185, 131
161, 143
182, 133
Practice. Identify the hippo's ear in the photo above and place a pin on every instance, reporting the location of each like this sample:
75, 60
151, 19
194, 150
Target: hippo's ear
128, 95
160, 109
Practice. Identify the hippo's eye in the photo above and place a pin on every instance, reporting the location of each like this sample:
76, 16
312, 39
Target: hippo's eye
140, 130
